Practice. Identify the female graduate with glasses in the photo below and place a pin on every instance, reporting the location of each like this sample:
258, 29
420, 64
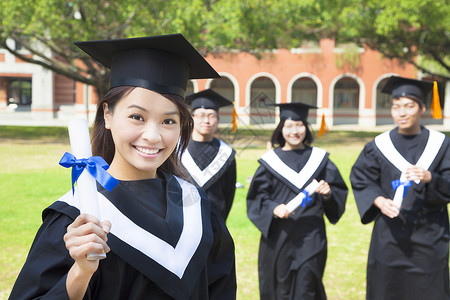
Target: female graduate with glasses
293, 245
164, 239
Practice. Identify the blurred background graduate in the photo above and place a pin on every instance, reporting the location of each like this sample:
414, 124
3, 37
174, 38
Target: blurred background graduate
164, 238
293, 245
210, 161
401, 181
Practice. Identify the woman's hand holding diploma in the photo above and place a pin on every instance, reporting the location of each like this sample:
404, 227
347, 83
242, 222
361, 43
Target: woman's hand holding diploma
387, 207
282, 212
324, 189
85, 235
418, 173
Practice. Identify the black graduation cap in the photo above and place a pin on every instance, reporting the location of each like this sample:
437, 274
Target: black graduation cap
207, 99
295, 111
159, 63
406, 87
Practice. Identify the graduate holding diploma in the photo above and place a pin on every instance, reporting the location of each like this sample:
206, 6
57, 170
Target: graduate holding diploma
294, 186
163, 237
401, 181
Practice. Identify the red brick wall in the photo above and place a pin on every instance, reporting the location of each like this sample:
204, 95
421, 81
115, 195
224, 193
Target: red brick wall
63, 90
285, 65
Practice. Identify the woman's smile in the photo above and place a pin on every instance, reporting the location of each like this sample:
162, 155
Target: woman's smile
147, 151
146, 128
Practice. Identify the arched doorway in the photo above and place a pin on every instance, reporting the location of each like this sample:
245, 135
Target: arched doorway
346, 101
262, 96
383, 105
304, 90
224, 87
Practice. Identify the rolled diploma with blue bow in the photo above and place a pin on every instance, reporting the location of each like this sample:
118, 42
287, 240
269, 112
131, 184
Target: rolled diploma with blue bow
86, 190
398, 196
294, 203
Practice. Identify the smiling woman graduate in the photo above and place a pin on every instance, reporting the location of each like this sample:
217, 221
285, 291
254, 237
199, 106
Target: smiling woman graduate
163, 237
293, 245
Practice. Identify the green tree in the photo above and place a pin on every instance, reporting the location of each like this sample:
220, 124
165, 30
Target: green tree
414, 31
404, 29
48, 28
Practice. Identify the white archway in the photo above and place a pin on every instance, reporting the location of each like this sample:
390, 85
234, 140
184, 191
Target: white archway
233, 81
374, 110
361, 96
248, 87
313, 78
374, 88
248, 91
226, 113
319, 86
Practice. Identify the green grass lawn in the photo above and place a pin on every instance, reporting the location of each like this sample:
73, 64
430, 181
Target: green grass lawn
31, 179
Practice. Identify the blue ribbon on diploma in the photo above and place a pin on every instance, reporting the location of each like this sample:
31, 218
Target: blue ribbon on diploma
95, 165
396, 183
307, 200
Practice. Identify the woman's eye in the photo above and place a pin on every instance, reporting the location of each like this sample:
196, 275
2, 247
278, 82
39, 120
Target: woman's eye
169, 122
136, 117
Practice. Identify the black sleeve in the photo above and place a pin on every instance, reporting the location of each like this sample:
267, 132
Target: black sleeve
44, 273
221, 261
260, 204
438, 189
230, 177
334, 207
365, 180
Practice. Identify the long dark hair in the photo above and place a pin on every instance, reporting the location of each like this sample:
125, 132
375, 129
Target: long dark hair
103, 143
278, 139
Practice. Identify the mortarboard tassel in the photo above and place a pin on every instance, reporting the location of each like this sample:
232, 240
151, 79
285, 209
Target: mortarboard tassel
234, 119
435, 104
323, 127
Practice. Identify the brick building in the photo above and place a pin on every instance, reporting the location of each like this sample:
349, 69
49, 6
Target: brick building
344, 81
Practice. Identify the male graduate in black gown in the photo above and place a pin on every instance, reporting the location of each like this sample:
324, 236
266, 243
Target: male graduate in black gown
401, 180
209, 160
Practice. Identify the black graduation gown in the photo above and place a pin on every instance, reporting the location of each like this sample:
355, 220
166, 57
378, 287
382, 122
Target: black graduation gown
293, 251
221, 185
408, 255
128, 273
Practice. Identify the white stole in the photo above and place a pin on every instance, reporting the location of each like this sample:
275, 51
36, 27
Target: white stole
173, 259
297, 179
203, 176
385, 145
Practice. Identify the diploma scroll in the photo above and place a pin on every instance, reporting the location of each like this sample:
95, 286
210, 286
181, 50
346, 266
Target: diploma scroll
400, 191
86, 190
297, 201
398, 196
